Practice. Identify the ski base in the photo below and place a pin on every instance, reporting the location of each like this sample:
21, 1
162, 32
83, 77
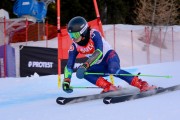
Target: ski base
71, 100
123, 98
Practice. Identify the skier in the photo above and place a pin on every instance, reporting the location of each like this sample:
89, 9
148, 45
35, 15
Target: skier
101, 58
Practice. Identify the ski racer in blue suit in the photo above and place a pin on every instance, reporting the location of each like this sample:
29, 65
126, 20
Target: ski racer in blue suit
101, 58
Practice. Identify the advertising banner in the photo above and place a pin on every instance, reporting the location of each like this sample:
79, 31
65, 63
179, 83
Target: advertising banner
42, 61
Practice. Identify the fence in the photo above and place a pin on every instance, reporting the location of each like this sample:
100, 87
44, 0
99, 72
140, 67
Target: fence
138, 45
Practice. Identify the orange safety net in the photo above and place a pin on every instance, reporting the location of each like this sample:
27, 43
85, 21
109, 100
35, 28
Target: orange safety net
35, 32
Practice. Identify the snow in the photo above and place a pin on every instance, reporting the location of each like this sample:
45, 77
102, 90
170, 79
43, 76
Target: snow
34, 98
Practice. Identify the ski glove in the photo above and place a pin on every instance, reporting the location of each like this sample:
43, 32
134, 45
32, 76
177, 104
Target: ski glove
66, 86
81, 70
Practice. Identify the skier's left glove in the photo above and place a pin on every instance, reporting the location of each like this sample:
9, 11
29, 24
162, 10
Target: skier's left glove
81, 70
66, 86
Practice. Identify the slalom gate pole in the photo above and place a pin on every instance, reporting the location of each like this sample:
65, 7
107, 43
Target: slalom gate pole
111, 78
145, 75
59, 43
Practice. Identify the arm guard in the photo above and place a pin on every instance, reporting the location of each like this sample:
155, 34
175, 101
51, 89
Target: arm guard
67, 72
95, 57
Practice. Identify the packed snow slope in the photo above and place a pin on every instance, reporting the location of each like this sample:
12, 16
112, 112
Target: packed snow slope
34, 98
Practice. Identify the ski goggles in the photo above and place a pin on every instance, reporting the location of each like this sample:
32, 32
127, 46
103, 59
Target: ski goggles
74, 35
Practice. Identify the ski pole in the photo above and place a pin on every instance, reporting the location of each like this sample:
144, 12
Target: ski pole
164, 76
83, 87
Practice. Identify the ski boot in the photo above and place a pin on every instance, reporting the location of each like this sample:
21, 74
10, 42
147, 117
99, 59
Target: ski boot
107, 86
142, 85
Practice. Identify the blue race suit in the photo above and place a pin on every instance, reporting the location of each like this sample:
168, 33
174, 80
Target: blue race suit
109, 62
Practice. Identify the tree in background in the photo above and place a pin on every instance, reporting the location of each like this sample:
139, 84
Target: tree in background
111, 11
116, 11
70, 9
157, 12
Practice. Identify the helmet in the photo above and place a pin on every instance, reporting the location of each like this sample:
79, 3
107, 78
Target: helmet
77, 27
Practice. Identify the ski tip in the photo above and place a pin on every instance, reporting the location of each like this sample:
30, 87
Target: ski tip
107, 100
60, 100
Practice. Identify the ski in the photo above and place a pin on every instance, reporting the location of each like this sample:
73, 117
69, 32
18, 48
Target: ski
71, 100
123, 98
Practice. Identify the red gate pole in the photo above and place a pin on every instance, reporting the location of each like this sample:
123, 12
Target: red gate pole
59, 43
98, 17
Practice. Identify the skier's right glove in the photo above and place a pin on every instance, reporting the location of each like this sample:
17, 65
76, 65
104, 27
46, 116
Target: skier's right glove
81, 70
66, 85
